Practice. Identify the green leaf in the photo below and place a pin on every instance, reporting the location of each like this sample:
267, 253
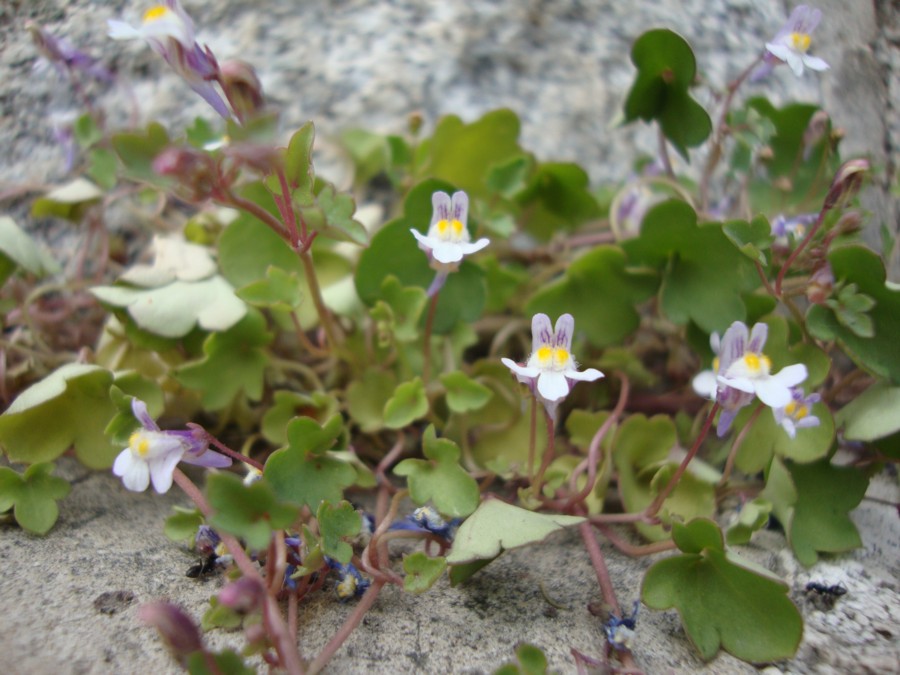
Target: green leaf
334, 216
304, 472
872, 415
70, 406
398, 313
407, 404
86, 131
33, 496
422, 571
752, 238
227, 663
252, 512
464, 393
335, 523
103, 167
604, 318
174, 310
219, 616
703, 275
365, 397
463, 154
878, 354
767, 438
558, 197
298, 167
754, 516
508, 178
850, 309
641, 454
369, 151
440, 478
723, 604
234, 362
182, 525
280, 290
666, 70
497, 526
394, 251
138, 150
18, 249
290, 404
820, 522
68, 201
530, 661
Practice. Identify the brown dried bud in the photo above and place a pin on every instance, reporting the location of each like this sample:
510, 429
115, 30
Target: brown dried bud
194, 170
820, 285
766, 153
176, 628
847, 182
242, 88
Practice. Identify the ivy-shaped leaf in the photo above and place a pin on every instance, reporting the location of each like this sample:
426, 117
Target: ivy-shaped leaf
703, 275
558, 197
280, 290
879, 354
752, 238
767, 438
398, 312
497, 526
32, 496
666, 71
723, 603
365, 397
464, 393
754, 516
422, 571
813, 501
138, 150
440, 478
304, 472
69, 407
252, 512
851, 310
233, 362
604, 318
298, 167
290, 404
407, 404
335, 523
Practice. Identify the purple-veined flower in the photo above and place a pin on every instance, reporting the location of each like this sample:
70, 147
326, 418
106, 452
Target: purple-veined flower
64, 56
169, 31
152, 454
744, 371
551, 370
785, 228
797, 414
791, 44
448, 240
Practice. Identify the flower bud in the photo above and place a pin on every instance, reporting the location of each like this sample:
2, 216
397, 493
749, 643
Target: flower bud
242, 88
243, 596
176, 628
194, 170
846, 182
820, 285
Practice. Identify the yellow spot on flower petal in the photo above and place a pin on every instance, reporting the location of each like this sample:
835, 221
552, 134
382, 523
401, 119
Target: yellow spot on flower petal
800, 41
138, 444
545, 356
757, 363
796, 410
442, 226
560, 357
457, 228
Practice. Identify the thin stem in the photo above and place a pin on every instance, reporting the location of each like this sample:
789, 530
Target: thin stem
630, 549
548, 454
391, 457
255, 210
738, 441
664, 152
796, 252
599, 564
653, 509
286, 208
277, 629
426, 347
225, 450
315, 292
532, 440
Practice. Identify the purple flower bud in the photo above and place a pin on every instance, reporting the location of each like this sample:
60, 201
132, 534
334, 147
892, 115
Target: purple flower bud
176, 628
847, 182
243, 596
242, 88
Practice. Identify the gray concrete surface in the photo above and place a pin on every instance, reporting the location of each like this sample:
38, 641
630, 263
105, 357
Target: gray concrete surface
563, 65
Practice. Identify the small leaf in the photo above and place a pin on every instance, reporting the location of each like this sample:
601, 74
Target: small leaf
234, 362
304, 472
872, 415
497, 526
67, 201
138, 150
280, 290
767, 438
182, 525
70, 406
397, 315
251, 512
18, 249
33, 495
422, 571
752, 238
298, 158
754, 516
365, 397
219, 616
290, 404
464, 393
440, 478
408, 404
335, 523
227, 663
723, 604
530, 661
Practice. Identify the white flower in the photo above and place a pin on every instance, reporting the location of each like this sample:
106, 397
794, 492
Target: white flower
551, 370
797, 414
152, 454
793, 40
448, 239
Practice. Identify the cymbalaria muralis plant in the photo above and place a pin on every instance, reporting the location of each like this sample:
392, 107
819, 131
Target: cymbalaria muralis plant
396, 360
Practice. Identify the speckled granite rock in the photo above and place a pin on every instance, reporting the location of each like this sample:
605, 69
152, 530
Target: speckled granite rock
563, 66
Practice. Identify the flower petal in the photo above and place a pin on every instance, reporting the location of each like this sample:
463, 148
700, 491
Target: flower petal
552, 386
815, 63
739, 383
119, 30
779, 51
541, 331
459, 207
139, 409
161, 470
468, 248
588, 375
209, 459
790, 376
447, 252
562, 332
440, 202
758, 338
123, 463
705, 384
524, 371
773, 393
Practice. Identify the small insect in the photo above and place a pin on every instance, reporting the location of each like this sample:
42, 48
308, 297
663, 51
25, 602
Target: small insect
822, 596
203, 568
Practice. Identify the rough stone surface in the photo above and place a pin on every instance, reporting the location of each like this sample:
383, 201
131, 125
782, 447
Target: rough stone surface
69, 599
